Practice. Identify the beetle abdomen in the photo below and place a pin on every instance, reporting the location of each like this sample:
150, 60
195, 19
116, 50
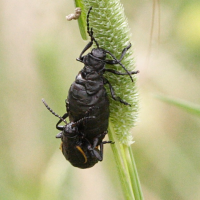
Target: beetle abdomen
97, 104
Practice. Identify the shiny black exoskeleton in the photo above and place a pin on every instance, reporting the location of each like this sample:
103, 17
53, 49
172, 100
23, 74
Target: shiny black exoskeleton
75, 147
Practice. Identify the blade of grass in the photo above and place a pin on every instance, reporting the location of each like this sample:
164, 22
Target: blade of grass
185, 105
81, 19
122, 169
134, 175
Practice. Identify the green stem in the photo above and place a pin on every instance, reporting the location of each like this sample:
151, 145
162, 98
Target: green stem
122, 170
134, 174
126, 167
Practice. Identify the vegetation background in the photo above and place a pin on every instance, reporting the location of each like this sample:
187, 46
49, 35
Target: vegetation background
38, 47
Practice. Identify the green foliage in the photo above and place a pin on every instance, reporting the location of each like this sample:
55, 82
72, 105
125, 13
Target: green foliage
186, 106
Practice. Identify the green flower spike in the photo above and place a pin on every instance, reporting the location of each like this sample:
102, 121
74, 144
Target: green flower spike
111, 31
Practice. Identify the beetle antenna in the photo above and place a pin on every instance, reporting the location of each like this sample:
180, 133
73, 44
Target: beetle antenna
88, 25
83, 119
120, 64
93, 39
90, 32
53, 111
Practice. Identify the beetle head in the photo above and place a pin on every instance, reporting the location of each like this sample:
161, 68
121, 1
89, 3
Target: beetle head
99, 53
70, 130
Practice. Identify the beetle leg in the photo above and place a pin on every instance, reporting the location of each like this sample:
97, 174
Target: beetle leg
101, 147
64, 117
116, 98
92, 148
98, 155
84, 50
124, 51
95, 142
113, 62
59, 135
94, 152
120, 73
96, 139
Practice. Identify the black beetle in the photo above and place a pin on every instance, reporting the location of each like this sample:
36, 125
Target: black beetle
75, 147
87, 106
88, 89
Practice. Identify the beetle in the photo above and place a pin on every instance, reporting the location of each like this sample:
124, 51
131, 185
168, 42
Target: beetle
88, 102
75, 147
88, 89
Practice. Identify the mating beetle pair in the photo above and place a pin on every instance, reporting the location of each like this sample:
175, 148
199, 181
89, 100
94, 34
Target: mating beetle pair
88, 106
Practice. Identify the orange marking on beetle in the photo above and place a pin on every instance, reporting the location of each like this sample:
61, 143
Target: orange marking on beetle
61, 146
79, 148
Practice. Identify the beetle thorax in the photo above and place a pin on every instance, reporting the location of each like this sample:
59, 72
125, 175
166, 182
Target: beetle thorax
95, 60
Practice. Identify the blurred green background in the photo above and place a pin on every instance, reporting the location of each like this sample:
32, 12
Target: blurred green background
37, 59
